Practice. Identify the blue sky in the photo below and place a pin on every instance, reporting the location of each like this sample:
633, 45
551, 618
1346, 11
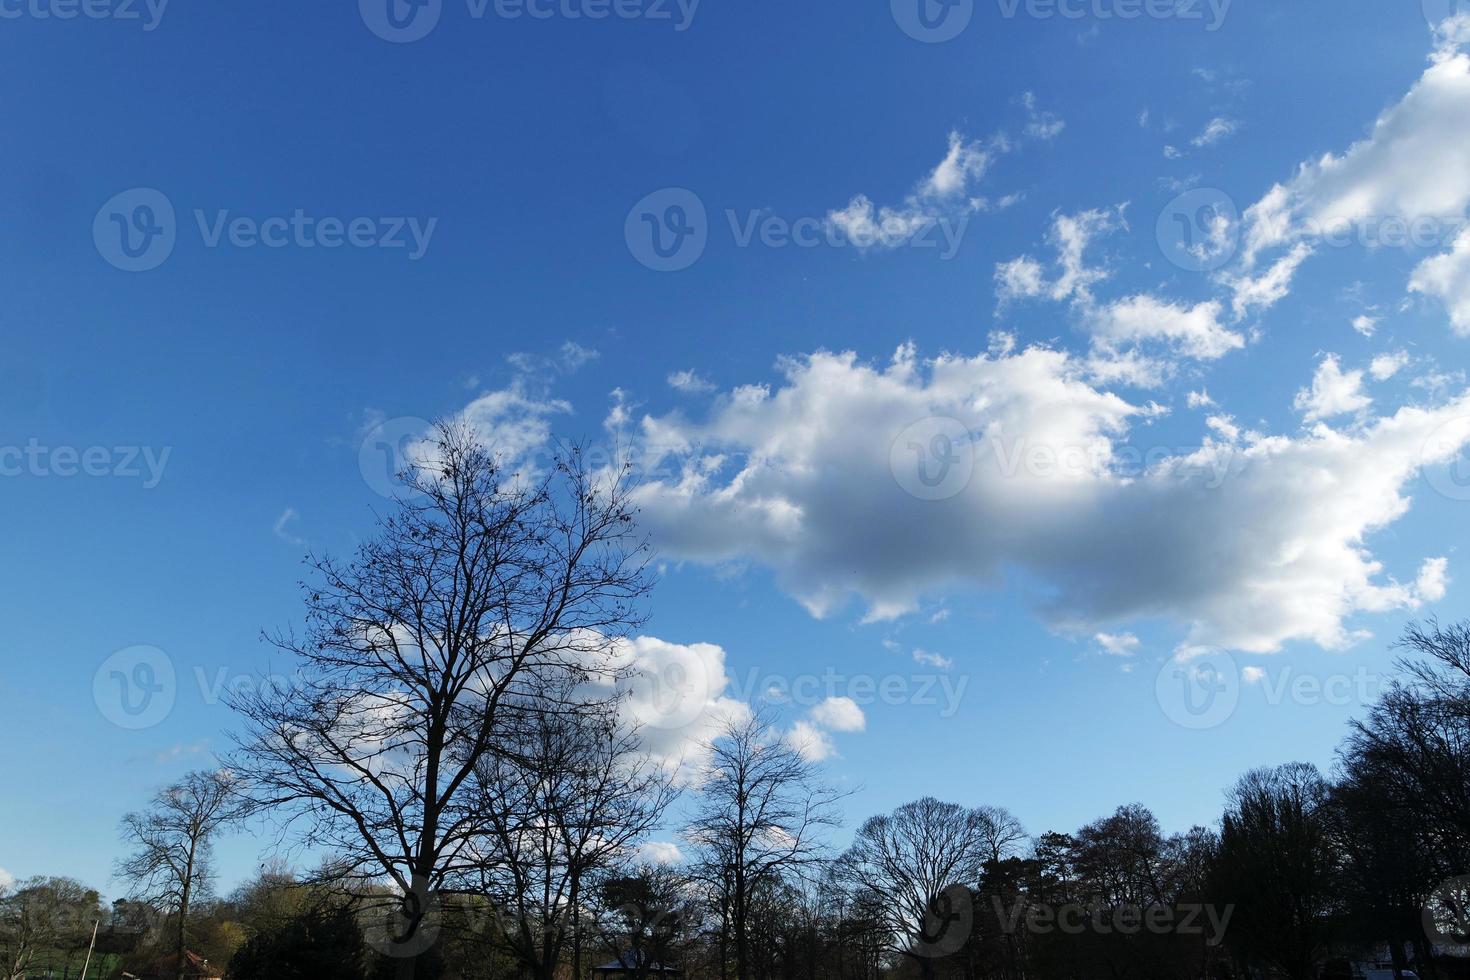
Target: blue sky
500, 170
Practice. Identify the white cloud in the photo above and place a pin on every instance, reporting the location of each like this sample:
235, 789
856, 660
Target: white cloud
281, 528
1252, 675
1415, 163
1224, 426
1446, 277
574, 355
935, 660
1333, 392
1070, 236
1433, 579
943, 194
839, 714
1215, 130
965, 161
1246, 545
1264, 291
1117, 644
677, 696
1199, 399
813, 743
690, 383
1190, 331
1041, 125
1365, 324
660, 852
1020, 278
1385, 366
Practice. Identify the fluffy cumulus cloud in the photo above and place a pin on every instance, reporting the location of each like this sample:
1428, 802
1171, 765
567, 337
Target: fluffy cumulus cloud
1190, 331
960, 470
811, 741
839, 714
678, 696
660, 852
1333, 392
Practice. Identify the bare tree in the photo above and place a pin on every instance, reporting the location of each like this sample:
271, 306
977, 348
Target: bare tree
1001, 832
478, 588
170, 866
568, 795
920, 863
761, 816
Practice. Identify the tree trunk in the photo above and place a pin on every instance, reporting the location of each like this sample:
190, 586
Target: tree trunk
179, 964
576, 928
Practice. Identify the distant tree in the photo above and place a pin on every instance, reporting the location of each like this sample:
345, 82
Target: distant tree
1414, 745
761, 813
1277, 866
479, 587
921, 862
42, 916
171, 842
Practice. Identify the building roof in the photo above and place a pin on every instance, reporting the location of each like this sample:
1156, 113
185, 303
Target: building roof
634, 960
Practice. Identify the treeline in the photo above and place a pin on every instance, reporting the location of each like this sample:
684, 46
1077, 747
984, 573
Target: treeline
458, 742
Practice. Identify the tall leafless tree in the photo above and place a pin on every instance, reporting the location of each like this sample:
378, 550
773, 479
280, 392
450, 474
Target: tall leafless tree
170, 866
920, 862
480, 587
762, 813
568, 794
